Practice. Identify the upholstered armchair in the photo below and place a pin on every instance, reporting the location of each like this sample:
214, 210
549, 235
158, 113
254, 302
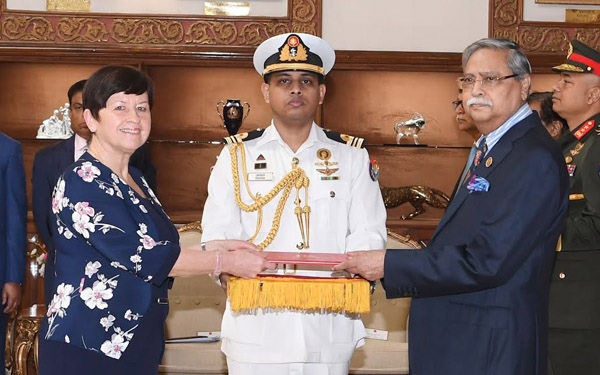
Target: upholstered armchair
197, 305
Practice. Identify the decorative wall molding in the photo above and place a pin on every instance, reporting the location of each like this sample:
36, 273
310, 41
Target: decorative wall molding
506, 21
51, 30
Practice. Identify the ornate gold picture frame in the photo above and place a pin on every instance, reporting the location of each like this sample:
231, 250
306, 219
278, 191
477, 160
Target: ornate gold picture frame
506, 21
170, 33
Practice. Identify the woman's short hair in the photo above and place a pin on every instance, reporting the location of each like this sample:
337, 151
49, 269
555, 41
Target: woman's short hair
113, 79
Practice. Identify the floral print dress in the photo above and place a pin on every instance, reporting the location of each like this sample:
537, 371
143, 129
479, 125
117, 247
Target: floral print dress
114, 251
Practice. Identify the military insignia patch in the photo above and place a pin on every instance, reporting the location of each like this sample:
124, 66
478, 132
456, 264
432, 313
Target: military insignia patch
584, 129
260, 163
571, 169
326, 166
374, 170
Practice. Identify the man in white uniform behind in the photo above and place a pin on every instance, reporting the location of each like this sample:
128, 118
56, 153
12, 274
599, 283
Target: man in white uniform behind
342, 210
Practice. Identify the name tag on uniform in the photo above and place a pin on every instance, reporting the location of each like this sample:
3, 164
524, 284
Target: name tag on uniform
267, 176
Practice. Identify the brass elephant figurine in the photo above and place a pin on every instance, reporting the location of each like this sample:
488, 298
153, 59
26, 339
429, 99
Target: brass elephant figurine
416, 195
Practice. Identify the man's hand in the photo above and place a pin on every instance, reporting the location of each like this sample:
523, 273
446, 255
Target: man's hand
11, 296
368, 264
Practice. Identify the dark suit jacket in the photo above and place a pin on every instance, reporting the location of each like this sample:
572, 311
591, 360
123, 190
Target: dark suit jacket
49, 163
13, 220
480, 287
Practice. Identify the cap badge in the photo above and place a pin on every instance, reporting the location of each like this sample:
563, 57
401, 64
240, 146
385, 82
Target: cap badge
293, 50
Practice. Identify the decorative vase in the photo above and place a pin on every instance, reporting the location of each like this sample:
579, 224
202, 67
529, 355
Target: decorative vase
232, 114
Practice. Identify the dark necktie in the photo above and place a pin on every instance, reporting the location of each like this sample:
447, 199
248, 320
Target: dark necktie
479, 154
469, 162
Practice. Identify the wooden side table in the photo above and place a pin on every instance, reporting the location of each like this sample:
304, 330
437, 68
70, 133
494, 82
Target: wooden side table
28, 324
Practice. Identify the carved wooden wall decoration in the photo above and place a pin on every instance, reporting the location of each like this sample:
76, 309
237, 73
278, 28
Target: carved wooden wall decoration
54, 30
506, 21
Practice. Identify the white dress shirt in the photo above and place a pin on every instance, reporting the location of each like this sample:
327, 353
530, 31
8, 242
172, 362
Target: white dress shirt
81, 147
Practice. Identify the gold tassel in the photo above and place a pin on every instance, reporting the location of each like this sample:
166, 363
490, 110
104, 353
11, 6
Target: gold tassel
348, 296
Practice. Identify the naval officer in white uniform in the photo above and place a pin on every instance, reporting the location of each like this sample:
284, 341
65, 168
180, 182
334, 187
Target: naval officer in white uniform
336, 207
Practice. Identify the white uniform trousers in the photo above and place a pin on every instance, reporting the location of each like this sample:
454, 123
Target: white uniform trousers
241, 368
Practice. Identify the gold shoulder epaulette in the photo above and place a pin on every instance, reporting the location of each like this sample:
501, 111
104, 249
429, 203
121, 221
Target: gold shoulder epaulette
242, 137
345, 138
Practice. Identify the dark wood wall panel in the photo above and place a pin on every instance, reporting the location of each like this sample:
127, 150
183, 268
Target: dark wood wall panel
182, 177
186, 100
368, 103
436, 167
32, 91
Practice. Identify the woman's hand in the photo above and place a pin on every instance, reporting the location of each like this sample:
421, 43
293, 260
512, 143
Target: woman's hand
227, 245
240, 258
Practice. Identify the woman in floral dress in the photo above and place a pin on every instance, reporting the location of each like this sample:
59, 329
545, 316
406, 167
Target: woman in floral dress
115, 246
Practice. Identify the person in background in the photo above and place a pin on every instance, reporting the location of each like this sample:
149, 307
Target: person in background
541, 102
341, 194
13, 230
52, 160
115, 246
480, 287
574, 335
464, 120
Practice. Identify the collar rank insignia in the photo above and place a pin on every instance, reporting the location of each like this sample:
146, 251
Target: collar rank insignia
584, 129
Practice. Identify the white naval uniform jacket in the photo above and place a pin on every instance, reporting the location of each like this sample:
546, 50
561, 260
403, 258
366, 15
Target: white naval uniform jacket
346, 214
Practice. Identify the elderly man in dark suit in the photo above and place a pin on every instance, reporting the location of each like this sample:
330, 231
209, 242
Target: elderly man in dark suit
50, 162
13, 230
480, 288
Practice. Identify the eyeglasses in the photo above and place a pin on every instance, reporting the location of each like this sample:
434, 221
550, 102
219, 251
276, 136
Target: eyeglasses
468, 82
456, 104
